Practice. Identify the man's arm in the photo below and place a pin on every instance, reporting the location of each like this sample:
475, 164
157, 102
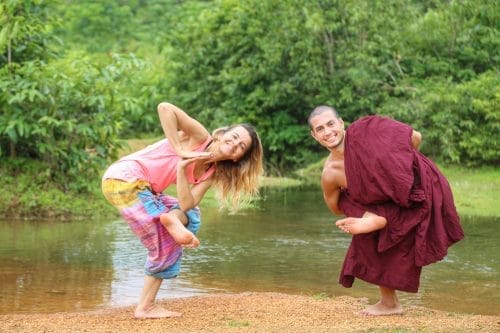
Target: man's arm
331, 190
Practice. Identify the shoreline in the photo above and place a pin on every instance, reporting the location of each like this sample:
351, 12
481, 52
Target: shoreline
253, 312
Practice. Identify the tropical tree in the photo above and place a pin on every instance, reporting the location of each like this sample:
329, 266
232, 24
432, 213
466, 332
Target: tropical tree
24, 37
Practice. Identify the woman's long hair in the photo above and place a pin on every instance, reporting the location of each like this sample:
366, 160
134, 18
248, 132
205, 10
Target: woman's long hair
238, 182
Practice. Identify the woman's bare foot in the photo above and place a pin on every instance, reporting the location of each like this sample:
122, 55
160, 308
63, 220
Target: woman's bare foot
178, 231
380, 309
155, 311
361, 225
194, 243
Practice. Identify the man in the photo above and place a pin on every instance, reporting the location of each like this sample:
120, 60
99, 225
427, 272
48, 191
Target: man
398, 206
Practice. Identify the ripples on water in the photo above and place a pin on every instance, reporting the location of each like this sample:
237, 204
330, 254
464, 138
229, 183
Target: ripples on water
289, 244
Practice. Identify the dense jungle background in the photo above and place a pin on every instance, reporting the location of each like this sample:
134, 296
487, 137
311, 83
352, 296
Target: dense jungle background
78, 78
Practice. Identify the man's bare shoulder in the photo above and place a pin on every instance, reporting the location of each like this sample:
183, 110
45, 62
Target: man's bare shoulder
328, 172
333, 172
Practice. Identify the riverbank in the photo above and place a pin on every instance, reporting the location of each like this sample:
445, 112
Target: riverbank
254, 312
28, 194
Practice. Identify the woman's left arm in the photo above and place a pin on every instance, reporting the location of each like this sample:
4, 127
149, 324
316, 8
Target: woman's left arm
173, 120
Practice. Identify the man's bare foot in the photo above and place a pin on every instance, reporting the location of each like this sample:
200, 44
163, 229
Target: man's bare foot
155, 311
380, 309
178, 231
361, 225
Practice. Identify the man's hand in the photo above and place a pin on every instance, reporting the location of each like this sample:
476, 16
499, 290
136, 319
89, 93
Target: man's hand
416, 139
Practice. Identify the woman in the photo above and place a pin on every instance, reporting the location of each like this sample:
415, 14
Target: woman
230, 160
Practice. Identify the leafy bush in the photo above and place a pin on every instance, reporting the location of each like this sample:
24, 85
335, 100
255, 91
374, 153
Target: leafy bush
463, 120
30, 193
67, 113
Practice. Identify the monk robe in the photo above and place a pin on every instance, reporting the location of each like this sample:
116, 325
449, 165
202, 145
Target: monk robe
387, 176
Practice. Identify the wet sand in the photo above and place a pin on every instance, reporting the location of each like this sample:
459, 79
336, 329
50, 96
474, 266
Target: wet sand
254, 312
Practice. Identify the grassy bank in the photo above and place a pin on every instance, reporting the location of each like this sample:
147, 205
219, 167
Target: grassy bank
28, 194
476, 191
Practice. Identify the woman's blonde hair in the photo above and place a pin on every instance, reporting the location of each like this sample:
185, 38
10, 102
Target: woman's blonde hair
238, 182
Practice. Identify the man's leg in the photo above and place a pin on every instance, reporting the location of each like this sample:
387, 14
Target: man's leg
362, 225
388, 304
147, 307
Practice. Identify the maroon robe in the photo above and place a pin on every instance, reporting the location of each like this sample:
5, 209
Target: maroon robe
387, 176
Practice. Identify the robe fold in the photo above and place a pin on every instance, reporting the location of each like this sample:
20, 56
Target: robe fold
387, 176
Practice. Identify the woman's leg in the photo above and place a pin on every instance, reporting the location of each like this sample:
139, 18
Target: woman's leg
139, 207
174, 221
147, 307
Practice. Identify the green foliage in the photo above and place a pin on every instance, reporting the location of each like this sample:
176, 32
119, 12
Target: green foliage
235, 70
270, 63
24, 31
469, 130
459, 121
102, 25
67, 113
432, 64
29, 193
458, 39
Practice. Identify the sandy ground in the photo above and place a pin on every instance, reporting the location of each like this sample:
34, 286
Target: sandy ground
254, 312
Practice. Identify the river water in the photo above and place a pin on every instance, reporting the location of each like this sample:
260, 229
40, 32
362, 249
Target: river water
288, 243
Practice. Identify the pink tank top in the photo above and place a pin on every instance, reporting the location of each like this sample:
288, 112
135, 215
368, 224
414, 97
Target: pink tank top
156, 164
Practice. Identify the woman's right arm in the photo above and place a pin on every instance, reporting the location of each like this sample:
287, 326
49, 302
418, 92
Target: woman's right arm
172, 120
189, 197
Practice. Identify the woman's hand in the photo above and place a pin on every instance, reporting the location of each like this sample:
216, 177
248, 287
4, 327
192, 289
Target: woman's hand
193, 157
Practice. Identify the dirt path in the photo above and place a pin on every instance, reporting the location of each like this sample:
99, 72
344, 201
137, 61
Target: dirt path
253, 312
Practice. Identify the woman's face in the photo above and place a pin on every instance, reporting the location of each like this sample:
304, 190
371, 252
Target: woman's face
235, 143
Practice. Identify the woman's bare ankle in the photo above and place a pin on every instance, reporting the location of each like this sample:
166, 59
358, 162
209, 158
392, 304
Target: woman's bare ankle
154, 311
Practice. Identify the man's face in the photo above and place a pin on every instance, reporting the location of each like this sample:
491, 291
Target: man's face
328, 130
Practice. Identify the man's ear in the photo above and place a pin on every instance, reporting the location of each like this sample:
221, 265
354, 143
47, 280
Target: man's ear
312, 134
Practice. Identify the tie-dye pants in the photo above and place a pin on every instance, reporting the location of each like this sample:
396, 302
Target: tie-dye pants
141, 209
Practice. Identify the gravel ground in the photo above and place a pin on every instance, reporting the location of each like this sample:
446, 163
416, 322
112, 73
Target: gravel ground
254, 312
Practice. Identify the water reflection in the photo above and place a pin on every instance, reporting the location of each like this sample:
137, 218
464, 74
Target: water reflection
287, 244
53, 266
